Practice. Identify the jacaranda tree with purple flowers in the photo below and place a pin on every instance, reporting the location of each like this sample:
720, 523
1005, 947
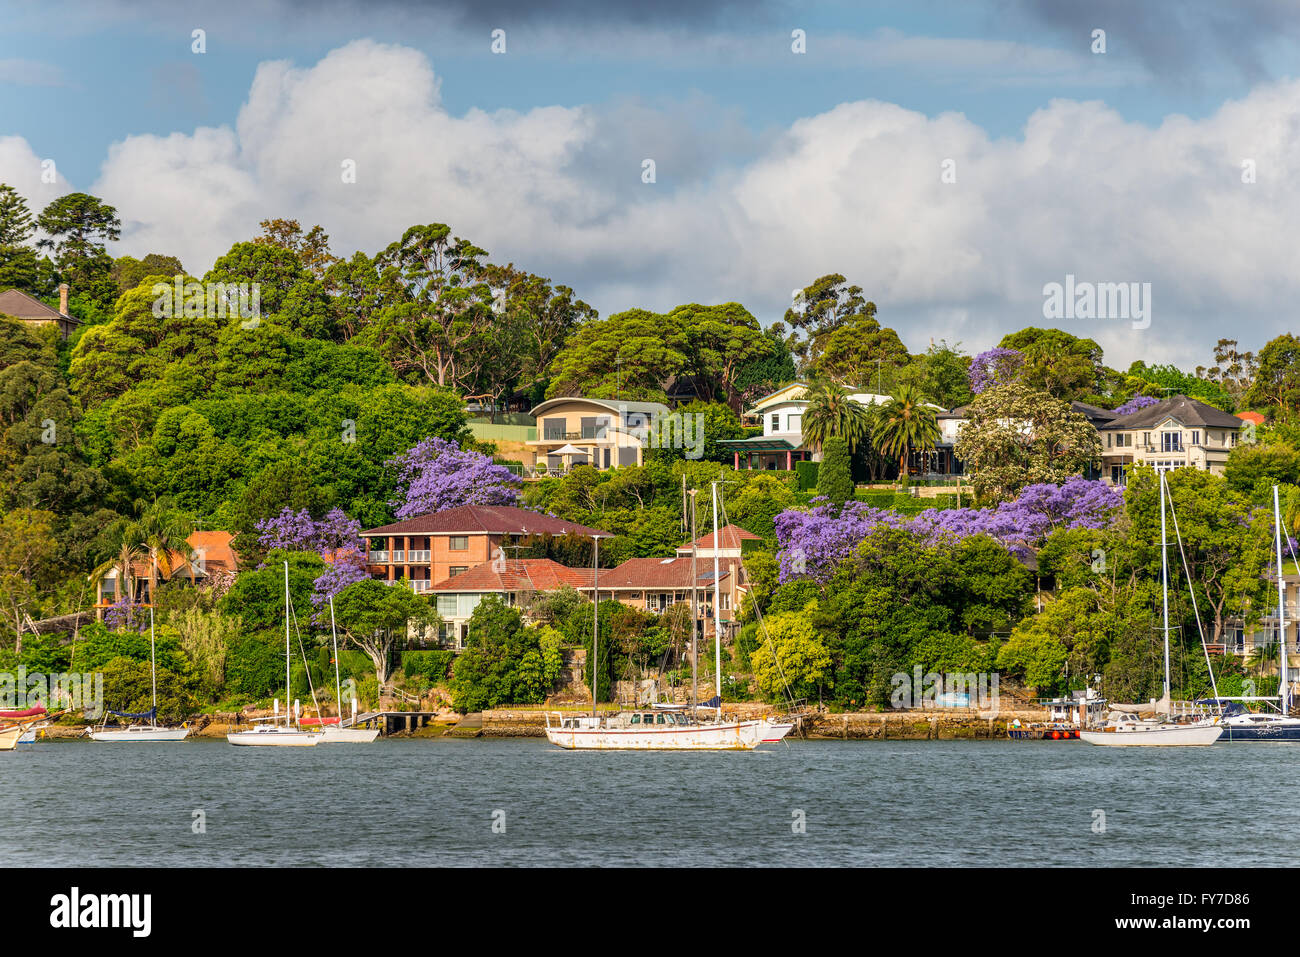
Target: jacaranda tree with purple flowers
815, 542
436, 475
994, 367
1135, 403
336, 538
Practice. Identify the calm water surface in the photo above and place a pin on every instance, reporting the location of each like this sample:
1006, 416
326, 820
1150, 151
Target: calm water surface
432, 802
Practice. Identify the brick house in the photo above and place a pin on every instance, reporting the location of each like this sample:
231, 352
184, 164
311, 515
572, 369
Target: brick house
432, 548
213, 558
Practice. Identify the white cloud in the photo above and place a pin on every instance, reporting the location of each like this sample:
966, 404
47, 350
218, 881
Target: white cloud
855, 189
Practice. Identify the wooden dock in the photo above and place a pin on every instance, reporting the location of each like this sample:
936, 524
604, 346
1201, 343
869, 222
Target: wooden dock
395, 722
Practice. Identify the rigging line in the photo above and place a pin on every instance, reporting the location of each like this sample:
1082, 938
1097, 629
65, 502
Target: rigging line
1191, 590
758, 614
305, 666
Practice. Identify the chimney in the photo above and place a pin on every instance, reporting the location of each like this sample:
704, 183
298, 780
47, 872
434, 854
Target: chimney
63, 299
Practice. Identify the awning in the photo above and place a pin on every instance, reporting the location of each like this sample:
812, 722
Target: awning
758, 444
567, 450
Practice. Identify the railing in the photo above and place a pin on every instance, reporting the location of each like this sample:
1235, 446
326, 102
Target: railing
399, 555
378, 556
418, 556
420, 586
561, 436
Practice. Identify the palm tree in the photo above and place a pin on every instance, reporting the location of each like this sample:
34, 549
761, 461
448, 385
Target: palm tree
1262, 658
164, 533
122, 544
831, 412
903, 423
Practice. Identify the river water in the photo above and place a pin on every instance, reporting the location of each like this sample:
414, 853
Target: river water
520, 801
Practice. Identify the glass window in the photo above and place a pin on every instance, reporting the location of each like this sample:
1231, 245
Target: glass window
776, 422
457, 569
636, 719
1196, 438
459, 543
447, 606
659, 719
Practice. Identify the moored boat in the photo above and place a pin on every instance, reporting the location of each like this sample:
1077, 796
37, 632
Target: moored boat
151, 733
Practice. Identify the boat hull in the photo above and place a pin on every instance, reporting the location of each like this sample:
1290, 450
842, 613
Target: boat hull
1174, 736
278, 737
1280, 731
726, 736
331, 735
141, 735
9, 737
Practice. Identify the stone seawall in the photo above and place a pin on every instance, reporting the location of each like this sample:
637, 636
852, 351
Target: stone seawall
893, 725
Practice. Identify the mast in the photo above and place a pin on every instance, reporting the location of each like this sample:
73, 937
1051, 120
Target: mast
153, 667
595, 619
1284, 691
288, 682
1164, 585
717, 604
695, 658
338, 684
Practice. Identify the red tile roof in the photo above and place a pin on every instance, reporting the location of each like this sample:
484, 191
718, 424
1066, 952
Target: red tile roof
1252, 417
485, 519
731, 535
518, 574
651, 573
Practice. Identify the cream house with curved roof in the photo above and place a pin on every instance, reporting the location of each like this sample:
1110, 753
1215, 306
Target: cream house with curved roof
606, 433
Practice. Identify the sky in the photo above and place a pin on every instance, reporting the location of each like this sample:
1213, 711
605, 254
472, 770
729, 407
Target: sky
954, 159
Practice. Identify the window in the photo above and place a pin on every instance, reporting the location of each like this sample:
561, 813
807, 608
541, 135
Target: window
1235, 436
1123, 440
775, 422
1107, 440
1171, 441
553, 429
1196, 438
1146, 438
794, 423
459, 543
1117, 475
636, 718
446, 606
457, 569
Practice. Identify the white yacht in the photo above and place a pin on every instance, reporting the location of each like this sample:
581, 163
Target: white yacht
272, 733
152, 732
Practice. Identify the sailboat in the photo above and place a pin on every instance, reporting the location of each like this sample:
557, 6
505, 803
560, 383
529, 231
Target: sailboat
151, 732
336, 733
1126, 730
663, 727
272, 733
1241, 725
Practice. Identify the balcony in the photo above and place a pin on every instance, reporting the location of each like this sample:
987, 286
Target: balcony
399, 556
377, 556
418, 556
419, 586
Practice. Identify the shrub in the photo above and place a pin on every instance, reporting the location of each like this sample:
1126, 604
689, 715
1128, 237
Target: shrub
806, 472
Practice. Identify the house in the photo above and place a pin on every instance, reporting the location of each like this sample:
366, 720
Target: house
732, 539
512, 580
213, 559
30, 310
655, 584
1176, 433
429, 549
601, 432
782, 442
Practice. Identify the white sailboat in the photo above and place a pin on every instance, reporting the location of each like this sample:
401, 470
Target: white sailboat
151, 733
662, 728
1126, 729
336, 733
271, 733
1249, 726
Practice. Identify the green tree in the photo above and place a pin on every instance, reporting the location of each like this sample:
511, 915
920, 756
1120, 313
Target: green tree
630, 355
76, 228
832, 413
791, 660
375, 617
1016, 436
834, 479
1277, 382
1056, 362
902, 423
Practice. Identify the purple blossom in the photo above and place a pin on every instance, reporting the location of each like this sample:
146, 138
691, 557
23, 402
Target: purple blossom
125, 615
1135, 403
814, 543
436, 475
994, 367
336, 538
298, 531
